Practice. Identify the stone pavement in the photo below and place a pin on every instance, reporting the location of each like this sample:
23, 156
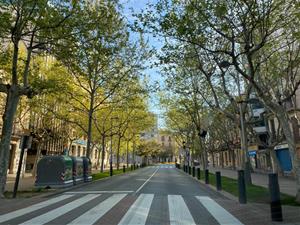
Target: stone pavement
287, 185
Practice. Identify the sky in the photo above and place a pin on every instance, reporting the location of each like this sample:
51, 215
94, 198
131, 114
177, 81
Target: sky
153, 74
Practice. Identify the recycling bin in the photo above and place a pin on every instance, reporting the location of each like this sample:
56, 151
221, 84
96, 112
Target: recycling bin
54, 172
77, 169
87, 169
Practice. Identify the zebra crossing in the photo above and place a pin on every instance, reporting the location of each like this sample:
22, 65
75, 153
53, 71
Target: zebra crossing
137, 211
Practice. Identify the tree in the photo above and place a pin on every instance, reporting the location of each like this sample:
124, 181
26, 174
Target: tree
36, 25
251, 37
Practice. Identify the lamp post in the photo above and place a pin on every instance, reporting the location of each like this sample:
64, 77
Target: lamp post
111, 140
245, 158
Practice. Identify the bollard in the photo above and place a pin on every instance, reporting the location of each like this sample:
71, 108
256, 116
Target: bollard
134, 166
218, 181
194, 172
275, 204
124, 169
206, 176
186, 169
198, 173
178, 166
190, 170
131, 167
242, 187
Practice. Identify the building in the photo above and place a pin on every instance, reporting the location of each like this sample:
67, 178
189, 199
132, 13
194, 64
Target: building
169, 146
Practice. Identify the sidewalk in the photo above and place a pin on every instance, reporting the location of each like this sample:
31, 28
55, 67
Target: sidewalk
287, 185
26, 183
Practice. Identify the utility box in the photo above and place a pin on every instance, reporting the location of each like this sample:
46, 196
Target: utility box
87, 169
54, 171
77, 169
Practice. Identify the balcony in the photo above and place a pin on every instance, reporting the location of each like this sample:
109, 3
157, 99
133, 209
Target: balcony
260, 130
257, 112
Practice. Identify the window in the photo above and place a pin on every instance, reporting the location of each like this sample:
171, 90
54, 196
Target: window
78, 151
73, 150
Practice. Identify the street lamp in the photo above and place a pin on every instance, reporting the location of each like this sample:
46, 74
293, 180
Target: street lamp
245, 159
111, 155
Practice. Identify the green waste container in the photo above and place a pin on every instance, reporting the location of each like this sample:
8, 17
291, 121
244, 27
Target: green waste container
54, 172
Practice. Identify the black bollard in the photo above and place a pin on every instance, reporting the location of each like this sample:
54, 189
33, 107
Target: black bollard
131, 167
186, 169
275, 204
194, 171
178, 166
190, 170
124, 169
218, 181
242, 187
198, 173
134, 166
206, 176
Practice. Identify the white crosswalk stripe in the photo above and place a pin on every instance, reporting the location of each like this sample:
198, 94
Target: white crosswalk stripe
218, 212
138, 212
179, 212
32, 208
91, 216
47, 217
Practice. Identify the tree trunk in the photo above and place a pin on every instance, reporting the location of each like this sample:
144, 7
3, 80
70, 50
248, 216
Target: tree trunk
37, 157
276, 168
103, 154
12, 100
222, 159
127, 155
233, 159
285, 123
118, 153
90, 120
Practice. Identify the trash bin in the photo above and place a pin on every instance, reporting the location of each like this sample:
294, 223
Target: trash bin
77, 169
87, 169
54, 171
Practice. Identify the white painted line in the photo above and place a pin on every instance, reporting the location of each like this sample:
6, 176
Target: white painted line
94, 214
146, 181
51, 215
138, 212
32, 208
218, 212
97, 192
179, 212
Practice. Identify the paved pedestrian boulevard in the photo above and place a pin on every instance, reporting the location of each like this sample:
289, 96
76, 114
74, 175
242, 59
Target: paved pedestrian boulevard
121, 208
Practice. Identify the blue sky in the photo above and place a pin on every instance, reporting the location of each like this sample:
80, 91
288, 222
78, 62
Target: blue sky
153, 74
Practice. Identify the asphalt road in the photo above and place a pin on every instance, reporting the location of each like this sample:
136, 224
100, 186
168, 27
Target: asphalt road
153, 195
